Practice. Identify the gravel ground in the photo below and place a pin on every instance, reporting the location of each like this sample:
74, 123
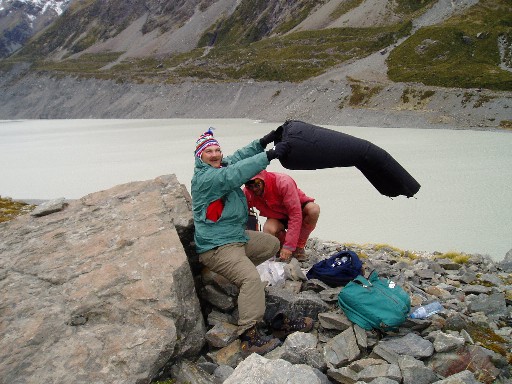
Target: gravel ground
322, 101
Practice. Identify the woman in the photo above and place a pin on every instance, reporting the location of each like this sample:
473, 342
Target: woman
220, 216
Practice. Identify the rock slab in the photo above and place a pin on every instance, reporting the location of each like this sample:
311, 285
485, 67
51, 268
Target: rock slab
101, 290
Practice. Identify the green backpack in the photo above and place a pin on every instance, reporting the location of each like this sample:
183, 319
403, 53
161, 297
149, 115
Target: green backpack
375, 303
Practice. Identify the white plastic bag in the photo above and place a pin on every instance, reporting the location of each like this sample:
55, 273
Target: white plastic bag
272, 272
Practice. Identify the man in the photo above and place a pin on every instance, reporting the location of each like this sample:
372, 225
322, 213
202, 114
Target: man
291, 214
222, 242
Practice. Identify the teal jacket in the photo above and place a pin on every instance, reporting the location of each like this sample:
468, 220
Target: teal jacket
210, 184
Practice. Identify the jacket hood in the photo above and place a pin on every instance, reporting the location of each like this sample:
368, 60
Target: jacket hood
268, 178
263, 175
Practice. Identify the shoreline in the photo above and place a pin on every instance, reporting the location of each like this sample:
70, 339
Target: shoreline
399, 125
367, 245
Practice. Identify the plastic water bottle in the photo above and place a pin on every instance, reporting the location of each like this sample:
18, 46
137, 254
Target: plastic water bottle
426, 310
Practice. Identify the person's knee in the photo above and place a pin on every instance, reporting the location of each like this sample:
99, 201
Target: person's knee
312, 213
315, 210
276, 245
270, 230
272, 227
273, 243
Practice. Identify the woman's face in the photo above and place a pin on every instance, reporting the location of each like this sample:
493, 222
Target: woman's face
212, 155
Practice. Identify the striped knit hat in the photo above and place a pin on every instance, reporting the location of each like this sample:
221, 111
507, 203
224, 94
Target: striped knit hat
204, 141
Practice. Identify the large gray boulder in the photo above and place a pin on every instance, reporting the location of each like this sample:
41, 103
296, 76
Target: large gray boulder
100, 291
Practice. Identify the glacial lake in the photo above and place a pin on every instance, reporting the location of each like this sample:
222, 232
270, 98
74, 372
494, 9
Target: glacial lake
464, 204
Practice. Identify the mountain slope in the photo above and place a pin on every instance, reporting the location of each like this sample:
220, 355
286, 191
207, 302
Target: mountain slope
276, 40
361, 61
21, 19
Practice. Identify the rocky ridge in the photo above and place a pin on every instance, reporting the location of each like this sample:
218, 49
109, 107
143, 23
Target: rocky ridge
108, 289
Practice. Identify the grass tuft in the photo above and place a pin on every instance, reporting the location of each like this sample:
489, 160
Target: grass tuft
9, 209
388, 248
362, 94
506, 124
456, 257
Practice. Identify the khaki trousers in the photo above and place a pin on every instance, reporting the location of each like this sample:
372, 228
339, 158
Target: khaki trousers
237, 262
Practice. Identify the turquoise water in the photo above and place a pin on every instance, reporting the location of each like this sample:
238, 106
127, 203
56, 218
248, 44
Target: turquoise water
465, 203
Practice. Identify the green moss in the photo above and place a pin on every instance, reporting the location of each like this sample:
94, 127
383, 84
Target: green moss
10, 209
362, 94
427, 94
482, 99
416, 97
405, 96
456, 53
389, 248
506, 124
488, 339
473, 99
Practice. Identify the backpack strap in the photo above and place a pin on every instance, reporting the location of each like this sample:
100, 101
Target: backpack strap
373, 275
363, 281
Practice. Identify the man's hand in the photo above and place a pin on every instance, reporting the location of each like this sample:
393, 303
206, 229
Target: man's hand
280, 150
285, 254
272, 136
268, 138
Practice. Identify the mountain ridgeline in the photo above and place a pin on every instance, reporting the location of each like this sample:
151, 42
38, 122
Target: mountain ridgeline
437, 43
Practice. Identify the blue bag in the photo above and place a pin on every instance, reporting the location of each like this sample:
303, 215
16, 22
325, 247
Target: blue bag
375, 303
338, 269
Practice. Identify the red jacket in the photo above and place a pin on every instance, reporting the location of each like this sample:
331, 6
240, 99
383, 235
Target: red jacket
281, 199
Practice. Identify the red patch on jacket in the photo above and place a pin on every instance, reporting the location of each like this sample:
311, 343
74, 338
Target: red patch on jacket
214, 210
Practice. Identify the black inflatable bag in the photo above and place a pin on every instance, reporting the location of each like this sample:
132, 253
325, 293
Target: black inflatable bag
314, 147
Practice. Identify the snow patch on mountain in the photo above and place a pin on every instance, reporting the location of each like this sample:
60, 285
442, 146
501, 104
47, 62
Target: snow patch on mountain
58, 6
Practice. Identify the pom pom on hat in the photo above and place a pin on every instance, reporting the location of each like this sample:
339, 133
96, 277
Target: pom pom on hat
204, 141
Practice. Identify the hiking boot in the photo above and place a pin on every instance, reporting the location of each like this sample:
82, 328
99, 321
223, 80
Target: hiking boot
300, 254
284, 326
253, 340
